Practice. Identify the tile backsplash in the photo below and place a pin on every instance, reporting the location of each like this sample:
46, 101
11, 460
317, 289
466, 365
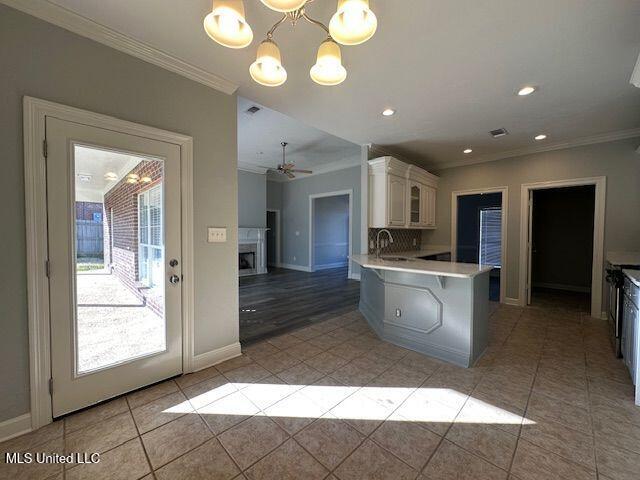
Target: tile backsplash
403, 240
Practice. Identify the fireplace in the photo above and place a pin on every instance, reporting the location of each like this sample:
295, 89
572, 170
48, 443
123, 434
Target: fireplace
247, 254
251, 251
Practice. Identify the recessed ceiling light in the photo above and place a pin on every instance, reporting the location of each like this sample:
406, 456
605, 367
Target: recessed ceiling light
388, 112
527, 90
542, 136
467, 150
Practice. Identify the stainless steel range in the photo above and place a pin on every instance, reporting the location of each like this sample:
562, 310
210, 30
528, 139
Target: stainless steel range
616, 262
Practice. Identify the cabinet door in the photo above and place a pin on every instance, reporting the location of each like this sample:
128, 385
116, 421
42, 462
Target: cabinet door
429, 206
416, 204
397, 201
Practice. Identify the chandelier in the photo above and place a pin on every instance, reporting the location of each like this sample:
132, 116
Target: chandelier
352, 24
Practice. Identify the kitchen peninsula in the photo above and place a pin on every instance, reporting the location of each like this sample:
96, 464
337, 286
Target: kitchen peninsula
437, 308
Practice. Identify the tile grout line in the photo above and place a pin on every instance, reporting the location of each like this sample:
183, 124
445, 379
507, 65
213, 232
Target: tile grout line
526, 407
144, 448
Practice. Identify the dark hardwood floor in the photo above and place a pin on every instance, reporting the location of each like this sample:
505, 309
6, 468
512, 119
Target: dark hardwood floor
283, 299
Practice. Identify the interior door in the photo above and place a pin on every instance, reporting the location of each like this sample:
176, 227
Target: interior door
529, 246
114, 240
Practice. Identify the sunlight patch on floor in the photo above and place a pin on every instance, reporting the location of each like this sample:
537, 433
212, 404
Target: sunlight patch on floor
421, 405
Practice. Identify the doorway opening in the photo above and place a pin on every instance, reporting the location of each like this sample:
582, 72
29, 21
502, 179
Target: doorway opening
562, 221
478, 234
562, 242
273, 238
330, 231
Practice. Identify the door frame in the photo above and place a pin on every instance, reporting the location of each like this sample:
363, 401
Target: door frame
338, 193
278, 230
35, 112
597, 268
503, 229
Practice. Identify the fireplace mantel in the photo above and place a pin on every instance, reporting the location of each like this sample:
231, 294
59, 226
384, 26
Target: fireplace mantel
256, 236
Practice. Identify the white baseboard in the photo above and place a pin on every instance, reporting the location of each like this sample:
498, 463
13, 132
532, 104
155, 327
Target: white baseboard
15, 427
219, 355
566, 288
291, 266
331, 265
512, 301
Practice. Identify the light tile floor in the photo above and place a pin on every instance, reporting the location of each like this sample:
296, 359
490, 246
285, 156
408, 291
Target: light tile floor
547, 401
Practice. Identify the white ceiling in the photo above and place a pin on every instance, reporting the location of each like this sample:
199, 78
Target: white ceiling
91, 166
260, 134
449, 68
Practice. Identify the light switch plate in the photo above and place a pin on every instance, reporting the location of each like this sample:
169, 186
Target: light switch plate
216, 235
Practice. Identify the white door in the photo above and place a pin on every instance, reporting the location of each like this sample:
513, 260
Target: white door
397, 206
114, 261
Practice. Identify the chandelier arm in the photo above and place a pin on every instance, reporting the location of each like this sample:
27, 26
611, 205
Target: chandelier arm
275, 26
316, 22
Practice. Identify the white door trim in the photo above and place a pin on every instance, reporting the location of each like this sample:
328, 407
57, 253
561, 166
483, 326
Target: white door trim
34, 114
278, 234
504, 222
598, 235
312, 197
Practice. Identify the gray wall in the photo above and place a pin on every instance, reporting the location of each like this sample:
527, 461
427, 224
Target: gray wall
618, 161
274, 195
252, 199
331, 231
295, 209
44, 61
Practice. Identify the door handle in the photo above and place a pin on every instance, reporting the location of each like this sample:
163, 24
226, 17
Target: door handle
174, 279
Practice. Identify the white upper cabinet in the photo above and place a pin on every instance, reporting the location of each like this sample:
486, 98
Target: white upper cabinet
401, 195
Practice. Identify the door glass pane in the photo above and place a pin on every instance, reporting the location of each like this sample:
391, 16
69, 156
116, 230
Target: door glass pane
415, 204
119, 258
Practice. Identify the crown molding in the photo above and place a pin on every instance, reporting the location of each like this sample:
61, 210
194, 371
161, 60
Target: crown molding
579, 142
88, 28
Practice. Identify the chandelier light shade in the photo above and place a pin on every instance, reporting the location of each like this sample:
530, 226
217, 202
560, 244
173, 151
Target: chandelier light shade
267, 70
328, 69
284, 5
226, 24
353, 23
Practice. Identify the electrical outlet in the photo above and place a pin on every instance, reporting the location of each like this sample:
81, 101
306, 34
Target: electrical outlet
216, 235
297, 233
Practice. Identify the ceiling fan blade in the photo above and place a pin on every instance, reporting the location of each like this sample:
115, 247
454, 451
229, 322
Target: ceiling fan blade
300, 171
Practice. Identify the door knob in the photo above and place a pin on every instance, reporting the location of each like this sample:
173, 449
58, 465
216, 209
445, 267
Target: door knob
174, 279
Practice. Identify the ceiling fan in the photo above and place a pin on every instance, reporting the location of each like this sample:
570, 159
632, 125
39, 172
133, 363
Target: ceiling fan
285, 168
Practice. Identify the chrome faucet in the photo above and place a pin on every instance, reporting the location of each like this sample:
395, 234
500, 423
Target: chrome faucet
378, 240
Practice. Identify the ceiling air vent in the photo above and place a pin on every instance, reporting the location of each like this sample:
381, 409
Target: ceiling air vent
500, 132
253, 110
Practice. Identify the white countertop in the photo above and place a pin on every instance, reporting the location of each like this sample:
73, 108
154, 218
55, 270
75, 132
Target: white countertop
424, 267
623, 258
634, 276
424, 252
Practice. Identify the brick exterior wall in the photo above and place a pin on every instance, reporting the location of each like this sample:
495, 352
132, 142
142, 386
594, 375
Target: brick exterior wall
121, 229
85, 210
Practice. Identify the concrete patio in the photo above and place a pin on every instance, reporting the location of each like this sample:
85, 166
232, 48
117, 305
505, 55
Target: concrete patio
113, 324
